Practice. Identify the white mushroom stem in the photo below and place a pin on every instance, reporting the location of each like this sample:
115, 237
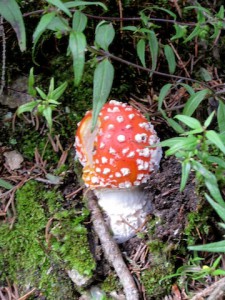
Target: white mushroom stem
125, 209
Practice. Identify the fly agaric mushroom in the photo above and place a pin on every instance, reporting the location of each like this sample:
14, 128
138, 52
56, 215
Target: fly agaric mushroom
117, 160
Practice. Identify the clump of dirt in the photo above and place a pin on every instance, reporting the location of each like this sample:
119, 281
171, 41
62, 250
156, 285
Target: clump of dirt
170, 205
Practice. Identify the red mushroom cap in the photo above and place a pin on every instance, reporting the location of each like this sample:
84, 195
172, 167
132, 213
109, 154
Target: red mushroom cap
117, 154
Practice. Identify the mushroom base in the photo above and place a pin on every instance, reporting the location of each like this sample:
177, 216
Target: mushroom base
125, 210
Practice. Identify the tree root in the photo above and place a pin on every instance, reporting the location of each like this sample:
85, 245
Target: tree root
111, 249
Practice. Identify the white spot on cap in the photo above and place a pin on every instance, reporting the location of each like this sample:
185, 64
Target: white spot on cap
140, 137
129, 108
137, 182
111, 126
102, 145
146, 152
98, 170
111, 161
125, 150
121, 138
118, 174
113, 110
104, 160
97, 161
106, 171
106, 118
140, 176
112, 150
128, 126
125, 171
131, 154
108, 136
120, 119
94, 179
131, 116
126, 184
115, 102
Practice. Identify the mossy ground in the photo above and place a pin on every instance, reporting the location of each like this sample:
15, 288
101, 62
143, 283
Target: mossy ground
28, 259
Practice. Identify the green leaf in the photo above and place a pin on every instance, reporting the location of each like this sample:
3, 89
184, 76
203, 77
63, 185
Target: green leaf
47, 113
180, 143
59, 4
194, 101
186, 168
51, 86
131, 28
209, 119
170, 57
10, 11
175, 125
103, 79
193, 34
27, 107
221, 117
57, 93
215, 139
220, 210
77, 45
212, 247
216, 160
163, 93
189, 89
165, 10
42, 25
181, 31
79, 21
141, 51
210, 181
206, 76
41, 93
72, 4
58, 24
104, 35
189, 121
31, 80
220, 13
5, 184
154, 48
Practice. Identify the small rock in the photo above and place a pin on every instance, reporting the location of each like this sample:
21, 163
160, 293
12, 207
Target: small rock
13, 159
78, 279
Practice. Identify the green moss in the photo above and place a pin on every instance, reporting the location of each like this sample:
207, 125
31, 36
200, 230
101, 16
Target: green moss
197, 220
151, 278
28, 259
111, 283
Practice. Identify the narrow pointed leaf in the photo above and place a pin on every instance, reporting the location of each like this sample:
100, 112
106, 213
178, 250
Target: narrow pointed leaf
59, 4
141, 51
10, 11
47, 113
57, 93
41, 93
209, 119
77, 45
215, 139
186, 168
163, 93
31, 80
170, 57
220, 210
154, 48
221, 117
103, 79
212, 247
5, 184
42, 25
27, 107
189, 121
72, 4
194, 101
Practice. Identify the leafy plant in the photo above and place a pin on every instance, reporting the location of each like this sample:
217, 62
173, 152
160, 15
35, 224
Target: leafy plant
48, 102
194, 270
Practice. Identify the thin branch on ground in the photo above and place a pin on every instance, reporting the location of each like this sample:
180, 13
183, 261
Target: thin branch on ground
213, 291
111, 249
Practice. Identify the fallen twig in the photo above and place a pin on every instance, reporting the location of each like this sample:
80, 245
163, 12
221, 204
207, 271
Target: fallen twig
213, 291
111, 249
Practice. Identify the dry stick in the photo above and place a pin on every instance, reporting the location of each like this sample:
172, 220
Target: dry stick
111, 249
213, 289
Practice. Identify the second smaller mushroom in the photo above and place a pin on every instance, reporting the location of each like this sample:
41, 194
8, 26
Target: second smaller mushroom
118, 157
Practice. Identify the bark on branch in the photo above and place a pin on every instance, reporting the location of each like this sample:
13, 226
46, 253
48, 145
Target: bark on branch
111, 249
